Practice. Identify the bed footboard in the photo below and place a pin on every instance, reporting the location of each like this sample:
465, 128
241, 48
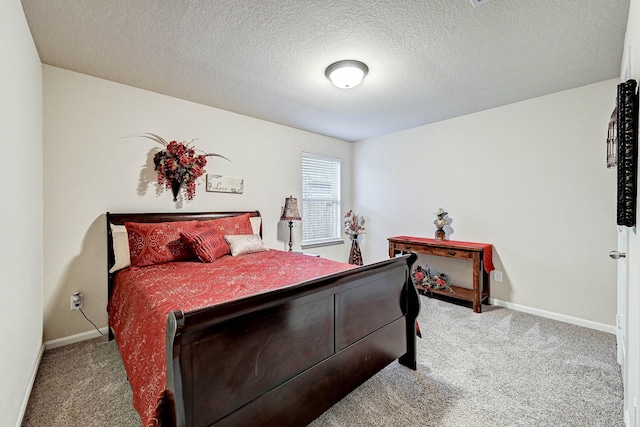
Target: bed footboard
284, 357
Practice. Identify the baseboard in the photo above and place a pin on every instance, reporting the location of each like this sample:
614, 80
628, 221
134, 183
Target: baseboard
611, 329
75, 338
32, 380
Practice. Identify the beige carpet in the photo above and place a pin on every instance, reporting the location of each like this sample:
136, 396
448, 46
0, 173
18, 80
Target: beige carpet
498, 368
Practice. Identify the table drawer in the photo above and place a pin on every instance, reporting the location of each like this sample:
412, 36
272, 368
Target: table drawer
450, 252
422, 249
406, 247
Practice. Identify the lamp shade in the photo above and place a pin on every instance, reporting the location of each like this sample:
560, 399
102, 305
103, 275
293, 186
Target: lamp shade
346, 74
290, 212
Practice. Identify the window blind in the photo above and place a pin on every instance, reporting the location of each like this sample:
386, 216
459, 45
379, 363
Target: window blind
320, 199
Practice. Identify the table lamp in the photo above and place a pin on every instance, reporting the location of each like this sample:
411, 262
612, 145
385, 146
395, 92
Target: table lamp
290, 214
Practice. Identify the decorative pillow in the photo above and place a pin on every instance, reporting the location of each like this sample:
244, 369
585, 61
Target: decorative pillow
206, 243
155, 243
240, 224
245, 244
120, 247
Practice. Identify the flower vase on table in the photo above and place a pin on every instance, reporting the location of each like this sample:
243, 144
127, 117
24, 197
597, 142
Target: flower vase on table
440, 222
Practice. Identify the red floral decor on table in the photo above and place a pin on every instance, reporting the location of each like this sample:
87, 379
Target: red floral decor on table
425, 280
178, 164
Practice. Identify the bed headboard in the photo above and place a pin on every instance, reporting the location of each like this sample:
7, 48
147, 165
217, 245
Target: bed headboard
121, 218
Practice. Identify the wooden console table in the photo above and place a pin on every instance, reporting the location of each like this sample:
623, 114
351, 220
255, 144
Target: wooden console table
479, 253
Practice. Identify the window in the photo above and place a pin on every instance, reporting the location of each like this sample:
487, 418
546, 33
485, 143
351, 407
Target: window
320, 200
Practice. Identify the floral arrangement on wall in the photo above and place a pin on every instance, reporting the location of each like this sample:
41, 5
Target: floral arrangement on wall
179, 163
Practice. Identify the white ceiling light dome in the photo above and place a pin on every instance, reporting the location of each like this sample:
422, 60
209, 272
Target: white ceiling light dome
346, 74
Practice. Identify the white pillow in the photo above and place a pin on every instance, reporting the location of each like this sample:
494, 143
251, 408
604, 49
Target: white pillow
245, 244
120, 247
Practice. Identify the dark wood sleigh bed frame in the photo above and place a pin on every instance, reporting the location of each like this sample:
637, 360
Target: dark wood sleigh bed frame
284, 357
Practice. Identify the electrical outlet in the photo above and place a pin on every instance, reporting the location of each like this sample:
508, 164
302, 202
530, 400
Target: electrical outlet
76, 301
497, 275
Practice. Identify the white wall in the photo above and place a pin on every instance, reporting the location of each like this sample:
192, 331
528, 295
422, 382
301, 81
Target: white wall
631, 67
530, 178
20, 211
89, 169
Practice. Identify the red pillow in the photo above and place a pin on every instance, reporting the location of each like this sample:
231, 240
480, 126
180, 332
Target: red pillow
240, 224
155, 243
206, 243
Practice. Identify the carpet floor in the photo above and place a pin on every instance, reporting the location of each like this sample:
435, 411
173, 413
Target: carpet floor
498, 368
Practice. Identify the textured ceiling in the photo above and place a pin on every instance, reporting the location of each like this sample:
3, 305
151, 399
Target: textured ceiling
428, 60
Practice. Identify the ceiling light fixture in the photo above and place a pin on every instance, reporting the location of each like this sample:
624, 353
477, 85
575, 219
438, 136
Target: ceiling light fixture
346, 74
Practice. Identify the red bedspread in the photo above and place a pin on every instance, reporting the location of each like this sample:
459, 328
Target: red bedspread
143, 298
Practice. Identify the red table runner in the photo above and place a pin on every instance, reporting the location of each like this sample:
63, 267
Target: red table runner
487, 248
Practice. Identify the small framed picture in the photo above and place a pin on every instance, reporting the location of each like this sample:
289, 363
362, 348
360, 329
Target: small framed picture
224, 184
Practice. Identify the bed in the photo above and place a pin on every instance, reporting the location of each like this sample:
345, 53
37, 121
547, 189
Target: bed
278, 351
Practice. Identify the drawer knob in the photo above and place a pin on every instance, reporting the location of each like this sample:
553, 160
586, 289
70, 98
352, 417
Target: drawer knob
452, 253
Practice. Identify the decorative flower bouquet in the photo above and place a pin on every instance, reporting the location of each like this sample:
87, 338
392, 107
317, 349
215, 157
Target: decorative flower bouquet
179, 163
353, 224
424, 280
